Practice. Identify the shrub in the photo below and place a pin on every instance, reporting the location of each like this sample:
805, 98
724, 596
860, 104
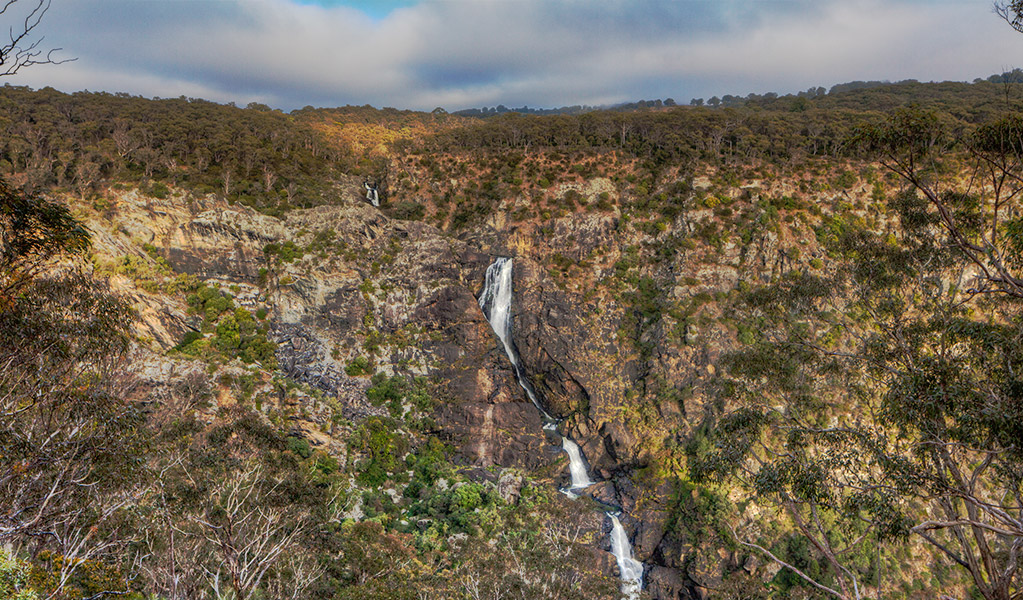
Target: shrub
358, 367
300, 446
159, 190
286, 252
187, 340
14, 576
407, 210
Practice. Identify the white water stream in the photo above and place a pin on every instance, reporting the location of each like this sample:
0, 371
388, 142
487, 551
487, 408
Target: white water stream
630, 569
496, 300
576, 465
372, 195
496, 303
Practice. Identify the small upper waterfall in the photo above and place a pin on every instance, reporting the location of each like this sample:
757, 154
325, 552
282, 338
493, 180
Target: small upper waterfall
631, 570
371, 194
496, 303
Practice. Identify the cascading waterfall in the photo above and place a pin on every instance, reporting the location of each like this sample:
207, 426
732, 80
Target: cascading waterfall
496, 302
631, 570
372, 195
576, 465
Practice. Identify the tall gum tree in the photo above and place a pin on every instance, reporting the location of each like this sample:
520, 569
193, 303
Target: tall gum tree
894, 379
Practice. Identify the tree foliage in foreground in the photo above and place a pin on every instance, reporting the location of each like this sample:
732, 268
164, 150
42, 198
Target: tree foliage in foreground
894, 382
70, 443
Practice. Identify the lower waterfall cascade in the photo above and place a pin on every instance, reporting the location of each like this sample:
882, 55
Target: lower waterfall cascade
631, 570
496, 303
576, 465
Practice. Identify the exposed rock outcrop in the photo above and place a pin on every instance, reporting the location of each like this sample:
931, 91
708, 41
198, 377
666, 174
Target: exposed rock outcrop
401, 297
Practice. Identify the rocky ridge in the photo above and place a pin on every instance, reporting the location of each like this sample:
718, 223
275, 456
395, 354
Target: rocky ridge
401, 295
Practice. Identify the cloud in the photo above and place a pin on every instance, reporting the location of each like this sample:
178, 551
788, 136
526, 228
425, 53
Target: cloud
458, 53
858, 40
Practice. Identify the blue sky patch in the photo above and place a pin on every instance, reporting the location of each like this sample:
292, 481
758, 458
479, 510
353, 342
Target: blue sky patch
376, 9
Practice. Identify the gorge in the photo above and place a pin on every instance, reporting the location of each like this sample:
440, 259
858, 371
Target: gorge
742, 328
496, 302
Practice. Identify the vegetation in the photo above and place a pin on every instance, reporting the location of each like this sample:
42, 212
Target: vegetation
833, 410
77, 142
114, 489
896, 396
228, 330
71, 438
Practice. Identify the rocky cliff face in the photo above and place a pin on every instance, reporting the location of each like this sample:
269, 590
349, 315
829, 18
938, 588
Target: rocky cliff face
399, 294
400, 297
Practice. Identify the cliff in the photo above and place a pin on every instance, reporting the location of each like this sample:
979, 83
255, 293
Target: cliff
288, 325
616, 322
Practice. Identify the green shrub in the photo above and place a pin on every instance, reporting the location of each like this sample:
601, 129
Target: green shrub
845, 180
187, 340
382, 448
358, 367
14, 575
236, 332
407, 210
300, 446
286, 252
468, 497
159, 190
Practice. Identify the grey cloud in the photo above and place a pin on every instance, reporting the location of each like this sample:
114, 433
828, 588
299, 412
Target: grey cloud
458, 53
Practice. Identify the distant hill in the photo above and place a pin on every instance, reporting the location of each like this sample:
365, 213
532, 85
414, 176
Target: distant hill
901, 88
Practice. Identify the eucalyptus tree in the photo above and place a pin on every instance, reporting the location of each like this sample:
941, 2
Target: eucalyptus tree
884, 398
1012, 12
71, 439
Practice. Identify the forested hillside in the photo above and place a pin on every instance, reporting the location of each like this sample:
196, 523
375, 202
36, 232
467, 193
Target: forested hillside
784, 334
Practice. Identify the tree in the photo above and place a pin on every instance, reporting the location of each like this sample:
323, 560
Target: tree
1011, 12
964, 399
897, 373
247, 537
33, 232
70, 440
981, 219
23, 48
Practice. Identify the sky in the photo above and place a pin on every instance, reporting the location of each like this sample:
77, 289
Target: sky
422, 54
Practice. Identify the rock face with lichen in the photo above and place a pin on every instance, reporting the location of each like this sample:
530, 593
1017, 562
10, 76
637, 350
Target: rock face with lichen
401, 289
615, 325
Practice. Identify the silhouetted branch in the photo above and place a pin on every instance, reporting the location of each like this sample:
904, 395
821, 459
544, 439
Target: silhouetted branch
22, 49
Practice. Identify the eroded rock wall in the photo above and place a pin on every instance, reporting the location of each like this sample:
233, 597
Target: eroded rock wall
402, 295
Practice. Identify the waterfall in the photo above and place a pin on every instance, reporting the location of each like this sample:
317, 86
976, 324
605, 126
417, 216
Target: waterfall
630, 569
576, 465
496, 302
372, 195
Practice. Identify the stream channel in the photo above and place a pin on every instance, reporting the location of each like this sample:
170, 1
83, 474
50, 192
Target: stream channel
496, 302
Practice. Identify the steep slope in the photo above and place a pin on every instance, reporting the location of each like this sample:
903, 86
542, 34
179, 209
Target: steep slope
348, 291
354, 331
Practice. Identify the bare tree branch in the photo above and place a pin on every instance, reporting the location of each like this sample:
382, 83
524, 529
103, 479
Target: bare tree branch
22, 49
